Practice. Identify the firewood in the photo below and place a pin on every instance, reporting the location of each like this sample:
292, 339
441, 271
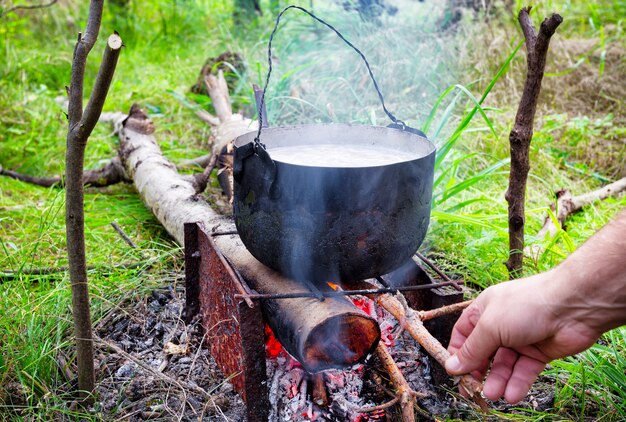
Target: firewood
444, 310
404, 392
409, 320
319, 395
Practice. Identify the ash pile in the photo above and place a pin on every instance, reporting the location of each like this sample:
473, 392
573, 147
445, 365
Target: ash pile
361, 393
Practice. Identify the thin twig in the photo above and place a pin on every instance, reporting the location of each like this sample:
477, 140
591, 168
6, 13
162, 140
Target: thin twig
444, 310
201, 161
182, 385
8, 274
123, 235
404, 392
107, 175
436, 269
64, 366
383, 406
31, 7
201, 180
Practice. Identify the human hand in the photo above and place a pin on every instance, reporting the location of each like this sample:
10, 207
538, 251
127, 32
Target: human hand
515, 329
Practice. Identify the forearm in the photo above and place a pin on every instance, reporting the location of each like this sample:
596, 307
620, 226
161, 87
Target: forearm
593, 279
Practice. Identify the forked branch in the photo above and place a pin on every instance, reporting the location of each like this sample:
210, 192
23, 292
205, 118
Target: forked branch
522, 132
81, 125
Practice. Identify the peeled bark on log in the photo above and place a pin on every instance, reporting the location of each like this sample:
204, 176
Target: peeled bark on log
522, 132
328, 334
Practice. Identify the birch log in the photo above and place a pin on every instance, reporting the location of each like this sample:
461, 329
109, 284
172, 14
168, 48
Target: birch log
567, 204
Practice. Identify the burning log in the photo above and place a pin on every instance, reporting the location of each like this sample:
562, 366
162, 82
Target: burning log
321, 335
318, 391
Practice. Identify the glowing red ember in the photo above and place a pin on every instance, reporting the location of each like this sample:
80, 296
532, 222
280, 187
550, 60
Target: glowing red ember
273, 348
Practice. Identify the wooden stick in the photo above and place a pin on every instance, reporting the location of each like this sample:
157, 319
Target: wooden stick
123, 235
522, 132
403, 390
28, 7
202, 161
110, 174
218, 91
444, 310
410, 321
383, 406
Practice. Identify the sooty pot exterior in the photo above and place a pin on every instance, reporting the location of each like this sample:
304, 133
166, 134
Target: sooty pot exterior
318, 224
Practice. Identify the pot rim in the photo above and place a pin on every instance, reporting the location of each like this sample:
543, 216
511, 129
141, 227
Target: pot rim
423, 146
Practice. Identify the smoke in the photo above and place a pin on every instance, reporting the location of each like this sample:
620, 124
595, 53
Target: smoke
318, 78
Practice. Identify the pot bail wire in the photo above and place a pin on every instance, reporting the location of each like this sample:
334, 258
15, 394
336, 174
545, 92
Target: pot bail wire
257, 141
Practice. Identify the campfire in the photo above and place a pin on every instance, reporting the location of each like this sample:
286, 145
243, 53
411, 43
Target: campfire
339, 353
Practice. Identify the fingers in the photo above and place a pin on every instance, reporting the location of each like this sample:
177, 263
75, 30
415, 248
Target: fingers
479, 346
463, 327
524, 374
501, 370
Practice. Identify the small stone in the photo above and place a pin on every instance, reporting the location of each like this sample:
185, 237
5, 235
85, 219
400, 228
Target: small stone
126, 370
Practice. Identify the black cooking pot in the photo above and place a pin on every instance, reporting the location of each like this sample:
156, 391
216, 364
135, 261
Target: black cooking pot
316, 223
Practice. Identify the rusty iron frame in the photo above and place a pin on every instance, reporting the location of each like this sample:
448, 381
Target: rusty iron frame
233, 326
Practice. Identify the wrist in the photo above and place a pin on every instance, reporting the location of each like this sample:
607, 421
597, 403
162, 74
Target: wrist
594, 299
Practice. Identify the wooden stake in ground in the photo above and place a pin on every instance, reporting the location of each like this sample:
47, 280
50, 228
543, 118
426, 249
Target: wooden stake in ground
80, 126
522, 132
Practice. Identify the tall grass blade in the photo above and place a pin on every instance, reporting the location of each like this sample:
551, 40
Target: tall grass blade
445, 149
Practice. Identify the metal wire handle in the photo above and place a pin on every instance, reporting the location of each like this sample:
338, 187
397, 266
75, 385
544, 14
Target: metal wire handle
257, 141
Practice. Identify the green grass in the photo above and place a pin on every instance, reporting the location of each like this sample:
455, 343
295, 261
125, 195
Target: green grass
461, 87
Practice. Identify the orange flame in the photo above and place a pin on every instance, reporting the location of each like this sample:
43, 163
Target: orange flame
333, 286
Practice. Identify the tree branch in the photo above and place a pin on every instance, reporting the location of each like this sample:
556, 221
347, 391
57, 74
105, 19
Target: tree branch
31, 7
80, 127
81, 51
109, 174
528, 29
444, 310
566, 205
101, 87
522, 132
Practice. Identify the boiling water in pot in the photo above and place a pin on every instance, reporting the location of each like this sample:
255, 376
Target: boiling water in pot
329, 155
